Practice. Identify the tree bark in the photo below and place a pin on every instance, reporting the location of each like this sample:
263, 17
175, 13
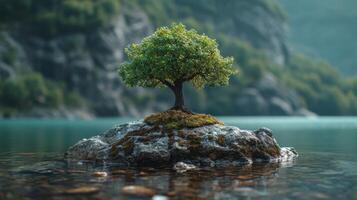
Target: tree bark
177, 89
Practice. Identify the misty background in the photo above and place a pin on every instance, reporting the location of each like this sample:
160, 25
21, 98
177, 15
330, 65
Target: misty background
59, 58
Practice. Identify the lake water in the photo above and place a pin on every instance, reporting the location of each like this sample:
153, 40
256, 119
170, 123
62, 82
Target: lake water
32, 165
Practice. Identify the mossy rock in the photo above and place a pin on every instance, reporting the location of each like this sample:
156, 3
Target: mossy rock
174, 119
137, 144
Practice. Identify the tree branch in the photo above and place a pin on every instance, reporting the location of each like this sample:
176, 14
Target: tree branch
167, 83
191, 77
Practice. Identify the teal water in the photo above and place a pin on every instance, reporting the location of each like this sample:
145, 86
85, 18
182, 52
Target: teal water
31, 164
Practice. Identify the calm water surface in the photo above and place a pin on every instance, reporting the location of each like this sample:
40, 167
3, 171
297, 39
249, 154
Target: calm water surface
32, 165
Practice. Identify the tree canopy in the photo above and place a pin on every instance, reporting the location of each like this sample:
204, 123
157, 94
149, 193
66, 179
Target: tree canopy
174, 55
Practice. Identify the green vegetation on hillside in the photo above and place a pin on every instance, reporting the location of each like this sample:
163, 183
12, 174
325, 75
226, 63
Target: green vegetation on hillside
321, 88
54, 17
325, 28
163, 12
32, 90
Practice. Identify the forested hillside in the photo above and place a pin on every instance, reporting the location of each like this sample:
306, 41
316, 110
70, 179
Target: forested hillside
325, 28
59, 58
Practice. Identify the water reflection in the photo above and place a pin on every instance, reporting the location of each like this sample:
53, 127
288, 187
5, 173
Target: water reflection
316, 175
326, 168
21, 176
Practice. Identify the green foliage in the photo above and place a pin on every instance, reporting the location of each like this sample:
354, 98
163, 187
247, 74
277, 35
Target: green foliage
55, 96
36, 88
323, 90
8, 54
252, 62
52, 17
13, 94
32, 90
174, 54
73, 99
274, 7
177, 120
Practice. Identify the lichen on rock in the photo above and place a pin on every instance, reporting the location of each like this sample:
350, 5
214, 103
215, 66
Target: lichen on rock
142, 144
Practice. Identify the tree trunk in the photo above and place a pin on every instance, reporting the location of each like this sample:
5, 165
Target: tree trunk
179, 100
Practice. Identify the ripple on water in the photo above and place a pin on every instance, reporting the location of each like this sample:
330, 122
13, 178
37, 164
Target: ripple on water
46, 176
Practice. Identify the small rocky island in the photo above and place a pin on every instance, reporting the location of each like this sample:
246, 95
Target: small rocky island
172, 137
169, 58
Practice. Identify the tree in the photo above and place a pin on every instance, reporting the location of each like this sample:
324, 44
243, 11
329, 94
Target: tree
174, 55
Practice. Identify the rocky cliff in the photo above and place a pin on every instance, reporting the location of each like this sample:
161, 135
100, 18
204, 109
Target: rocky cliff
261, 23
86, 62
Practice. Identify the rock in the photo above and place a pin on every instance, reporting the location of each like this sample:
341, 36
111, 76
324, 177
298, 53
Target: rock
250, 20
270, 97
288, 154
159, 197
82, 190
181, 167
86, 62
279, 106
264, 130
251, 102
100, 174
305, 112
268, 30
139, 144
87, 148
137, 190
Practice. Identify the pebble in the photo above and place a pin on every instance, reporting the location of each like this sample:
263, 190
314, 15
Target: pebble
247, 183
143, 174
245, 177
100, 174
159, 197
171, 193
182, 167
137, 190
82, 190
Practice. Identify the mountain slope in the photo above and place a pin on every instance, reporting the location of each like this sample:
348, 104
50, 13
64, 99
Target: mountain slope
326, 29
80, 63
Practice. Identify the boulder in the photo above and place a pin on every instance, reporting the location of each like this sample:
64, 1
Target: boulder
139, 144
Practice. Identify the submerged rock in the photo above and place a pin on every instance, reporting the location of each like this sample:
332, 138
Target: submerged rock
137, 190
82, 190
100, 174
183, 167
139, 144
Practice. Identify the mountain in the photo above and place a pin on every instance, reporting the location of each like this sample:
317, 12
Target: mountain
60, 59
326, 29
